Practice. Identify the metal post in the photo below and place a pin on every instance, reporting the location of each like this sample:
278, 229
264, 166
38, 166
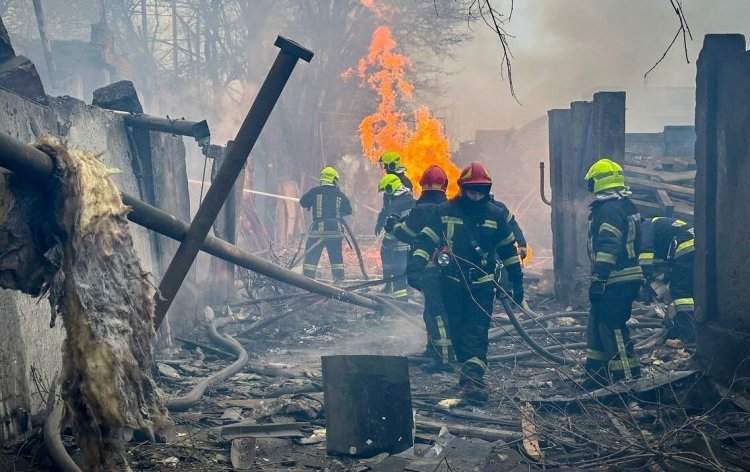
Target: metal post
33, 164
222, 184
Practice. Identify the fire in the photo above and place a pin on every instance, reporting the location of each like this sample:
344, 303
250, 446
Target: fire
387, 129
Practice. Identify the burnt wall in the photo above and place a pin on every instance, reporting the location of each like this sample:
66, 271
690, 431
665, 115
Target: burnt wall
578, 137
722, 205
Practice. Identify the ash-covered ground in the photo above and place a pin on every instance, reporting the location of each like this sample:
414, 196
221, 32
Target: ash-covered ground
537, 417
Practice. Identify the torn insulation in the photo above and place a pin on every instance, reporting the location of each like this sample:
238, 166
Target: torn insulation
75, 242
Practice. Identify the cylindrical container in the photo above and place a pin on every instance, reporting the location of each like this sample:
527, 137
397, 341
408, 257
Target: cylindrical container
367, 405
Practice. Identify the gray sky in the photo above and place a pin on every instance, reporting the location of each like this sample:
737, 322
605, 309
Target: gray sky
567, 49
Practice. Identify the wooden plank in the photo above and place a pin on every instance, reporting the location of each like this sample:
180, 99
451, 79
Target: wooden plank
662, 176
671, 188
530, 436
665, 203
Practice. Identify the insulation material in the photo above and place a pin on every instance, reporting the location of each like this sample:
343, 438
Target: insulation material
104, 299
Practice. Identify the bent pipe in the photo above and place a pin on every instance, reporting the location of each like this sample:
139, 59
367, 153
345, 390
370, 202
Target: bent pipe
53, 441
541, 184
184, 402
530, 341
33, 164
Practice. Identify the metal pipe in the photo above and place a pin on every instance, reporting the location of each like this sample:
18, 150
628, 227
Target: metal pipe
247, 135
182, 127
33, 164
541, 184
48, 57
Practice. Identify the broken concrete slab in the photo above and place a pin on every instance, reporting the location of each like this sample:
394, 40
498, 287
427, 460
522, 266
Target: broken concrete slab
120, 96
250, 429
19, 75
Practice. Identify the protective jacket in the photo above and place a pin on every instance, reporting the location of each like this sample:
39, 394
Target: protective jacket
409, 226
511, 219
662, 238
327, 204
614, 239
397, 204
477, 235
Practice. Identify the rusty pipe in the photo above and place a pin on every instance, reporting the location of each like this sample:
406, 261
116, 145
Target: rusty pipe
541, 184
269, 93
34, 165
197, 130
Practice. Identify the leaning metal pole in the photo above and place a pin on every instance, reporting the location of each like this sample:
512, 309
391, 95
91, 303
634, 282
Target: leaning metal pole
227, 174
34, 165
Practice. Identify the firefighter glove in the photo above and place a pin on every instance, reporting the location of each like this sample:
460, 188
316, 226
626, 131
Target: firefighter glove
378, 228
596, 290
390, 222
518, 292
522, 252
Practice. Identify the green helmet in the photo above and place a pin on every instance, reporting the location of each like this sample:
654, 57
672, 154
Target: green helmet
605, 174
391, 160
389, 183
329, 175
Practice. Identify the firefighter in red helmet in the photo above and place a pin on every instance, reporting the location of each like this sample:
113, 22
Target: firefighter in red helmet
434, 183
468, 237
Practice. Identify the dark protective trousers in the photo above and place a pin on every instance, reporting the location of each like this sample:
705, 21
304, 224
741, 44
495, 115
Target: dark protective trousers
313, 251
394, 256
681, 289
439, 344
469, 312
610, 356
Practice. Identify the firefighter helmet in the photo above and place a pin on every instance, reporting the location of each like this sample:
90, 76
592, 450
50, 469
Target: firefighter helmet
391, 160
604, 174
474, 174
389, 184
434, 178
329, 175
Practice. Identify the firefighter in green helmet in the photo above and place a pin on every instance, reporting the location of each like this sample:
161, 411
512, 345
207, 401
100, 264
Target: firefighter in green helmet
616, 277
328, 205
398, 200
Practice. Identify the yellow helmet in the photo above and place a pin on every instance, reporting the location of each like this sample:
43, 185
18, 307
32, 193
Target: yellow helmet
391, 160
329, 175
389, 183
604, 174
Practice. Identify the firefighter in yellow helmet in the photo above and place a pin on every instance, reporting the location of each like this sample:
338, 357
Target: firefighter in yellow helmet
397, 201
616, 276
391, 162
328, 205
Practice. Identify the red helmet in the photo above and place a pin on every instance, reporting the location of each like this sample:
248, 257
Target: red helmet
474, 174
434, 178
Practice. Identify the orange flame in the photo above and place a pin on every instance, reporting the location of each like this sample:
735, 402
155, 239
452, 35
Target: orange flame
387, 129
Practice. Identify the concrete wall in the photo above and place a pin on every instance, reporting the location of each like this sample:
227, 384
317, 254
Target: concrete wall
674, 141
578, 137
722, 206
27, 343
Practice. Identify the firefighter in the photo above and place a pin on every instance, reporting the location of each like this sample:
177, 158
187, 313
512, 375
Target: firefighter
394, 253
468, 237
616, 276
667, 244
328, 205
434, 183
392, 165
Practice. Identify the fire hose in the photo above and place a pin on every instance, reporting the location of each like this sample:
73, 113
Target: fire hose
356, 248
191, 398
52, 439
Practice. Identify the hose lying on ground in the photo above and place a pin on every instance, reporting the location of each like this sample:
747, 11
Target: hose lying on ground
184, 402
565, 329
530, 341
